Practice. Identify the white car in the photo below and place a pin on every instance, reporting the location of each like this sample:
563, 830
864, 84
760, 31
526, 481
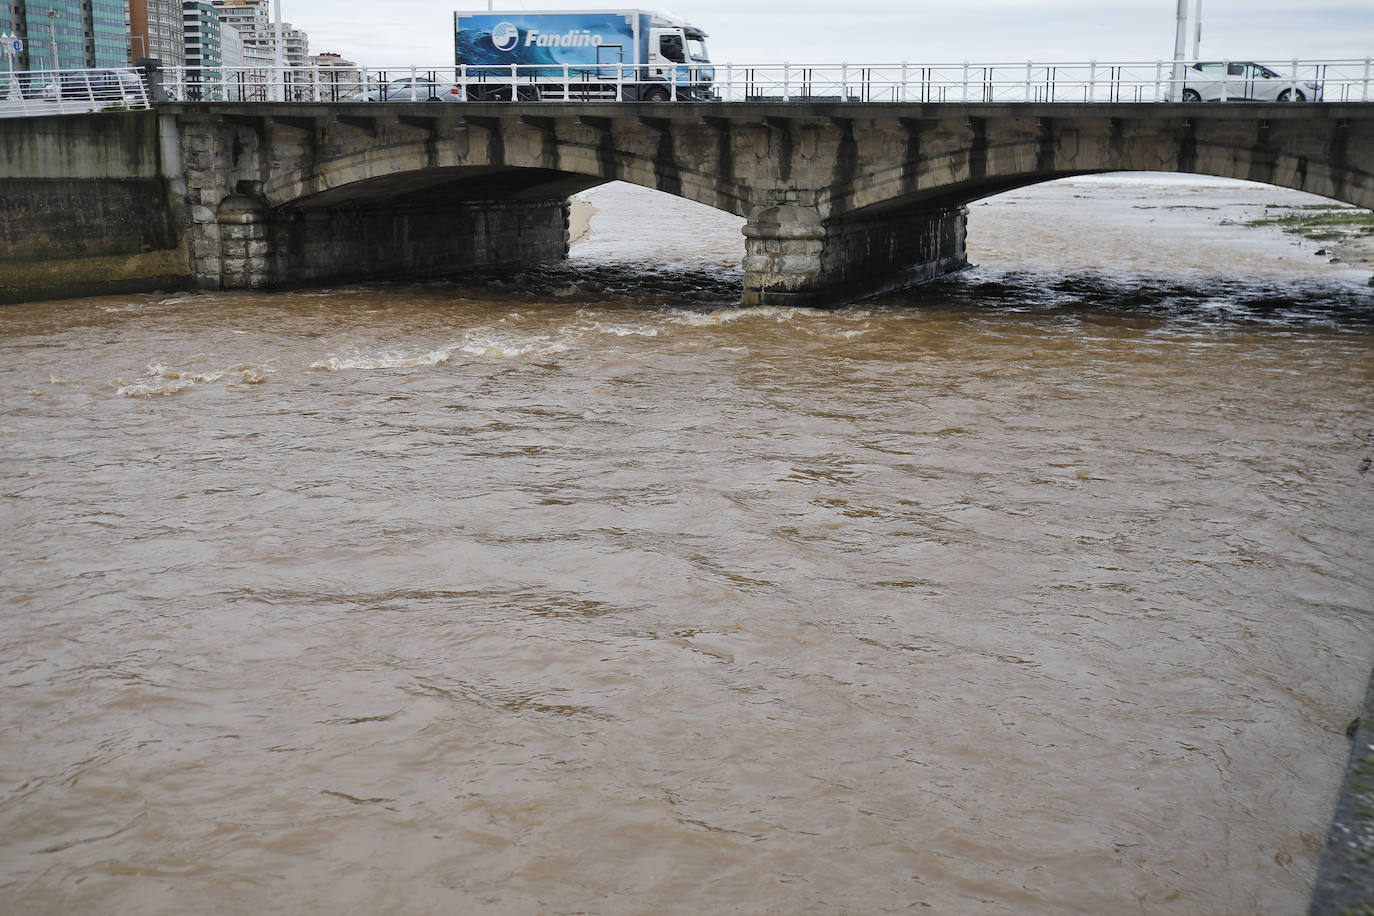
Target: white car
96, 86
1244, 81
421, 89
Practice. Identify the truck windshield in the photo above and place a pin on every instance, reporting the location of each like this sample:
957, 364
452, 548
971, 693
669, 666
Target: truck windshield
696, 49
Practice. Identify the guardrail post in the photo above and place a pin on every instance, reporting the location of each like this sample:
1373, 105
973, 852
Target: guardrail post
1225, 79
786, 89
514, 77
965, 95
1159, 78
620, 82
567, 85
1366, 78
901, 95
1092, 81
463, 80
1029, 66
844, 81
1293, 82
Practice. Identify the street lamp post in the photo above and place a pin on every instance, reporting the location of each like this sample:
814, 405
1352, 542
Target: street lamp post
11, 83
52, 31
1197, 30
1180, 45
280, 57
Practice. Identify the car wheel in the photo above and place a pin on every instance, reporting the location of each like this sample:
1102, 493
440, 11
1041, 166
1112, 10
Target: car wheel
655, 94
1292, 95
1191, 95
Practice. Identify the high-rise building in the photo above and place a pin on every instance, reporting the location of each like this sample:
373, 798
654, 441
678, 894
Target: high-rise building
338, 78
244, 15
203, 34
156, 31
253, 20
70, 34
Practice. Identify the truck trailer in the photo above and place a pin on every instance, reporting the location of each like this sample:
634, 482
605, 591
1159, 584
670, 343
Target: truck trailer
622, 55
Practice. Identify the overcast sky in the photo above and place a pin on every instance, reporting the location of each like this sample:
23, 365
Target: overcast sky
389, 32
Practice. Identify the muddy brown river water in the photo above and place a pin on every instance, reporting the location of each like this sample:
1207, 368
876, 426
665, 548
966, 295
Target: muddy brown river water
1043, 589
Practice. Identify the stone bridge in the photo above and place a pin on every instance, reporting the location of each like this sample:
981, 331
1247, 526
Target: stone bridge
842, 200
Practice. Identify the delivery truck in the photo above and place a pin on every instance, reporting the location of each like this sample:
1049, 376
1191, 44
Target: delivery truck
625, 55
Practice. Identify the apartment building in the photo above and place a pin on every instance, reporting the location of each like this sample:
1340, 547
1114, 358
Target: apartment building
68, 34
156, 31
254, 22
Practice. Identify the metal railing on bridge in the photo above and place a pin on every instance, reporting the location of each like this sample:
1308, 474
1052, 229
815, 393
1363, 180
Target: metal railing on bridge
72, 91
47, 92
1092, 81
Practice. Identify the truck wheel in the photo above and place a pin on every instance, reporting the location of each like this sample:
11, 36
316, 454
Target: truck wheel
655, 94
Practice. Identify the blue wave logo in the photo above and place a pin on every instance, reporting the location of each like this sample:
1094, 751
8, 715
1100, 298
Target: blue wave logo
505, 36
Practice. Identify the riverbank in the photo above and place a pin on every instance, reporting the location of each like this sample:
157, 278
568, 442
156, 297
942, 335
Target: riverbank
1166, 225
579, 220
1345, 233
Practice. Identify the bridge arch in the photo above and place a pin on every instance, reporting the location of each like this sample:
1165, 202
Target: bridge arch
518, 162
841, 200
1023, 158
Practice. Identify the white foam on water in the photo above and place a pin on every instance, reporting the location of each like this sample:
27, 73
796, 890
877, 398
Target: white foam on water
254, 375
386, 360
722, 317
149, 389
509, 346
198, 378
160, 381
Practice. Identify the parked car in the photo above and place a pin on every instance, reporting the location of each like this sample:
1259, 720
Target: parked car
1244, 81
96, 85
420, 89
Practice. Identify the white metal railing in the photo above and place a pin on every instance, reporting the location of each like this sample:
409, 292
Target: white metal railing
69, 91
1028, 81
46, 92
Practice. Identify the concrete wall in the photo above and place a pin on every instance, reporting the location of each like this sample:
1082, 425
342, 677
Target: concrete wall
84, 208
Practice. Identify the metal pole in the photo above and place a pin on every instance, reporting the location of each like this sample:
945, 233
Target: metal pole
1180, 44
281, 55
52, 30
10, 81
1197, 31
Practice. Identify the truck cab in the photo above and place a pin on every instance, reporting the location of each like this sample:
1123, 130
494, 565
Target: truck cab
677, 55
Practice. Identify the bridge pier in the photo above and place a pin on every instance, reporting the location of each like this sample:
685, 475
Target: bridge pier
251, 246
795, 258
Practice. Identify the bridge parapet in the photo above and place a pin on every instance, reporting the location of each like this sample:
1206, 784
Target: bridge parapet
956, 82
841, 199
